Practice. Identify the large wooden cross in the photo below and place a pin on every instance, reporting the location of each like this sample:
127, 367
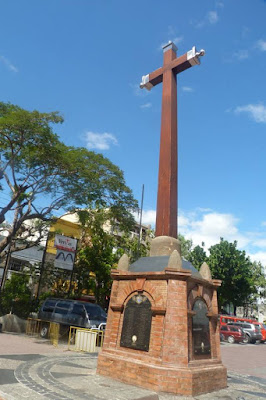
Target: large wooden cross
166, 215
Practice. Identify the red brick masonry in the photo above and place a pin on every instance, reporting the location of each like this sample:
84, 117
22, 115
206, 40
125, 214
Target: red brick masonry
169, 365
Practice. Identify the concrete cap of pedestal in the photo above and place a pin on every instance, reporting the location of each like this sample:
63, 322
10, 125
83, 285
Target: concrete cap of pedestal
164, 246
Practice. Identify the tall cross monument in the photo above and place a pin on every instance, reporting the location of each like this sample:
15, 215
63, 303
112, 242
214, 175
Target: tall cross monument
151, 296
166, 218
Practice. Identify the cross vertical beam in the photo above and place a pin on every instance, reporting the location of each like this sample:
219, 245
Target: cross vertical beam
166, 213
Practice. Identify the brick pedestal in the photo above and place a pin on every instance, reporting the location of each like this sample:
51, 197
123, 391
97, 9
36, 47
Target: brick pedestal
170, 364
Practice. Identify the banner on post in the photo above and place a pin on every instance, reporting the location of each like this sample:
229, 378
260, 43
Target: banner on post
65, 252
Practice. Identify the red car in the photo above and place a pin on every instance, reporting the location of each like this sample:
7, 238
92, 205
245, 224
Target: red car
231, 333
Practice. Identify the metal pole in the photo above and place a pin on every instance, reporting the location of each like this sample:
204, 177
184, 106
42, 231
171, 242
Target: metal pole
140, 219
42, 268
72, 272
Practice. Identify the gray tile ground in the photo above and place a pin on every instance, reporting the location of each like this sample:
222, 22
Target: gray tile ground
73, 377
34, 370
7, 377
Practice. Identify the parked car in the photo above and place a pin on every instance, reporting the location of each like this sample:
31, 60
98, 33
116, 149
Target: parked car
71, 313
262, 328
232, 333
252, 331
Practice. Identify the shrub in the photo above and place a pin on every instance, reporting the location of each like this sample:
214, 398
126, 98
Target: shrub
16, 296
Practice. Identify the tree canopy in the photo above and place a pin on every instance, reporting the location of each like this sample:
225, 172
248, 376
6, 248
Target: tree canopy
99, 252
243, 281
40, 174
186, 246
234, 268
16, 296
197, 256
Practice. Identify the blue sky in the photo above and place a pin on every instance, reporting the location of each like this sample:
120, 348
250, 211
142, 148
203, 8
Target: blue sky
86, 59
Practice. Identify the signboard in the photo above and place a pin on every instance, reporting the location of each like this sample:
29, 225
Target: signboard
65, 252
65, 243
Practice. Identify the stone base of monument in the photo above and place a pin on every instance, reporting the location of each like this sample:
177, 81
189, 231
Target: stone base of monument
162, 330
187, 381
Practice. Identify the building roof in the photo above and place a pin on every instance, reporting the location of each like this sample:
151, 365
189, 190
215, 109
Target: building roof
32, 254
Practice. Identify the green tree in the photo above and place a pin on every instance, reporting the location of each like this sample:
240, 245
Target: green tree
54, 280
234, 268
16, 296
133, 246
96, 256
100, 250
258, 282
37, 168
197, 256
186, 246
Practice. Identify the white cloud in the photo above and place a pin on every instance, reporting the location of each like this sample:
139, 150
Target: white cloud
171, 31
8, 64
187, 89
261, 44
146, 105
172, 37
204, 209
99, 141
178, 40
148, 217
259, 256
183, 222
259, 243
138, 91
238, 55
256, 111
241, 54
245, 32
205, 225
212, 17
210, 227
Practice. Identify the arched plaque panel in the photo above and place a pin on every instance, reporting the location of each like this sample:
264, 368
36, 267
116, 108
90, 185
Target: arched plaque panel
201, 330
136, 328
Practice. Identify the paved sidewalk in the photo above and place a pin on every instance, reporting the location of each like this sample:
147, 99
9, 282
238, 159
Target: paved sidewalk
73, 376
15, 343
37, 371
247, 359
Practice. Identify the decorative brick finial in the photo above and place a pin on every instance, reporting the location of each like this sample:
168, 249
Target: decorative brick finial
123, 263
175, 261
205, 272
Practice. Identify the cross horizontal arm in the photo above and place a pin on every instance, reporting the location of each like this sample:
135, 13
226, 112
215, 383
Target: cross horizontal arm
178, 65
156, 76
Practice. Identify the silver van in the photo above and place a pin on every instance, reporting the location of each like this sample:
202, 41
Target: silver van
71, 313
